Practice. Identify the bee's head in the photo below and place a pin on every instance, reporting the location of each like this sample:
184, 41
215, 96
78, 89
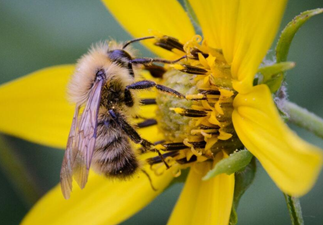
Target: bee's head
122, 59
120, 56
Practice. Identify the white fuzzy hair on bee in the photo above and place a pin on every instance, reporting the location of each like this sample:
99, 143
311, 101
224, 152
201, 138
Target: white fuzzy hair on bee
87, 66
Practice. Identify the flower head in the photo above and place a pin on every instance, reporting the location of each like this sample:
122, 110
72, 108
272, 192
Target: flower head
229, 111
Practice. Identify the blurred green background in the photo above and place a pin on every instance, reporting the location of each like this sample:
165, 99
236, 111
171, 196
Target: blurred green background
36, 34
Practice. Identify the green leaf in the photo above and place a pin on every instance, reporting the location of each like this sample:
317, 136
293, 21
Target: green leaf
294, 209
290, 30
286, 38
242, 182
235, 162
271, 74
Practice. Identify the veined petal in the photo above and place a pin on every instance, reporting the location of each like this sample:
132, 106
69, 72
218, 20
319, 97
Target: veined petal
243, 29
204, 202
257, 25
35, 107
218, 21
140, 17
292, 163
102, 201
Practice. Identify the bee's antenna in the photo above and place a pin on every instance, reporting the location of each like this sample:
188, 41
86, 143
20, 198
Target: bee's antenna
135, 40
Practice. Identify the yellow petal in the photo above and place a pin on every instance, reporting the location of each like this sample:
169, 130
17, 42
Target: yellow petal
102, 201
218, 20
243, 29
140, 17
292, 163
35, 107
204, 202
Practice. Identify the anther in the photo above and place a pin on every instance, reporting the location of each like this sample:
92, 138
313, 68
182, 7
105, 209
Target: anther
148, 101
185, 161
147, 123
193, 70
200, 144
158, 159
175, 146
209, 92
169, 43
189, 112
195, 52
155, 70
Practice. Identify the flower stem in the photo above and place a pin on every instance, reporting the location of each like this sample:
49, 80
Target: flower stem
295, 210
303, 118
17, 174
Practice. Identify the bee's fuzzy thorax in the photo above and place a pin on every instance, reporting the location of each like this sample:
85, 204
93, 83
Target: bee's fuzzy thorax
88, 66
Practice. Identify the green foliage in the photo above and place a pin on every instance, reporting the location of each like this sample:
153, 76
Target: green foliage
294, 209
289, 32
285, 40
235, 162
243, 180
272, 74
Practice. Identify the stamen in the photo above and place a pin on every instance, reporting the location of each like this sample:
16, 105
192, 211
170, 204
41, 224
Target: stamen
200, 144
195, 53
190, 69
209, 92
155, 70
189, 112
148, 101
169, 43
174, 146
157, 159
185, 161
203, 127
147, 123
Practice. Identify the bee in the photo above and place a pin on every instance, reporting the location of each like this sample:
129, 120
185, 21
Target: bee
102, 89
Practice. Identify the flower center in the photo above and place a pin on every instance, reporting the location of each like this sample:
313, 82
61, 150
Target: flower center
200, 126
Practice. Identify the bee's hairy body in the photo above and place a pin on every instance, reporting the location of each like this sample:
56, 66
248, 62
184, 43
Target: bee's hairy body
113, 154
101, 137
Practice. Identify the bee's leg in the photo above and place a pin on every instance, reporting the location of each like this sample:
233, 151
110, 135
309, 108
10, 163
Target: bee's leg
155, 60
146, 84
133, 135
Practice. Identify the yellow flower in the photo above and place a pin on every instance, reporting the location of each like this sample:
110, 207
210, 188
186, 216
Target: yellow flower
244, 31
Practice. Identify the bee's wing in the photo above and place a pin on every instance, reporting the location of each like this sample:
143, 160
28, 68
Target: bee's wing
86, 137
69, 157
